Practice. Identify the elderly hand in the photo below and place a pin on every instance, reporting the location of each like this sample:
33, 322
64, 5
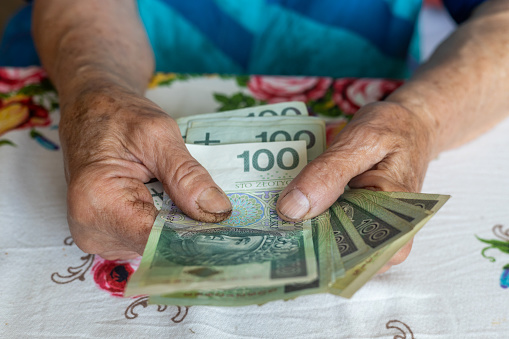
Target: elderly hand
115, 140
385, 147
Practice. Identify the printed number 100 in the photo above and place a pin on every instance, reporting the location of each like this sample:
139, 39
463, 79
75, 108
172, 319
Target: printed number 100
287, 137
255, 160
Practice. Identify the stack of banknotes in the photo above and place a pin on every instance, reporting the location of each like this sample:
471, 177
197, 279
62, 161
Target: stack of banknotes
254, 256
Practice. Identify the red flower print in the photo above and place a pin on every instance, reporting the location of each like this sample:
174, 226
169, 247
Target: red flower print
280, 89
350, 94
112, 276
21, 112
12, 79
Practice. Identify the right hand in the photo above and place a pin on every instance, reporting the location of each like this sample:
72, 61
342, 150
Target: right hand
386, 147
113, 141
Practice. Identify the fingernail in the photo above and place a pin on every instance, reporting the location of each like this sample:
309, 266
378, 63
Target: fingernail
214, 201
294, 205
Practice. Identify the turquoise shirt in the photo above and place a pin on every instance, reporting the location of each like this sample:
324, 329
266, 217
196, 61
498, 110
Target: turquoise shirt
337, 38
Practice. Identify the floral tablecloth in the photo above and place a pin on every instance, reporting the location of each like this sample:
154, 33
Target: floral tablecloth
453, 285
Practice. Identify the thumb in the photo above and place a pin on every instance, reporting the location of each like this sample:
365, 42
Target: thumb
188, 183
356, 150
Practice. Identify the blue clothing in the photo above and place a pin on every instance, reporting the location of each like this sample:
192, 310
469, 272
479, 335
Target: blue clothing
326, 37
17, 47
338, 38
460, 10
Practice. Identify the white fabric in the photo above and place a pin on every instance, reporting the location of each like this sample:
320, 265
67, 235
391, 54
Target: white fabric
445, 289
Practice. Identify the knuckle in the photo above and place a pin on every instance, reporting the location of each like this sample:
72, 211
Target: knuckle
154, 132
158, 126
322, 170
189, 171
335, 166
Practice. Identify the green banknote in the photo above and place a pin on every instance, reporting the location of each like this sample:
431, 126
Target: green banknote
375, 225
258, 295
252, 248
413, 214
377, 228
346, 238
259, 129
367, 267
429, 202
355, 277
254, 257
293, 108
359, 275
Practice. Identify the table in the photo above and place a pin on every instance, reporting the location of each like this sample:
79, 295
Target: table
49, 288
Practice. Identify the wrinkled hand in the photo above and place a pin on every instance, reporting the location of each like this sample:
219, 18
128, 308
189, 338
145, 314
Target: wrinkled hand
113, 141
385, 147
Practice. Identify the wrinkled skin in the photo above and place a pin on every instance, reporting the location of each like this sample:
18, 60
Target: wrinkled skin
108, 157
97, 54
385, 147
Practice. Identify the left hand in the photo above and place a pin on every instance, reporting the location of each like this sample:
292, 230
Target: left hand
386, 147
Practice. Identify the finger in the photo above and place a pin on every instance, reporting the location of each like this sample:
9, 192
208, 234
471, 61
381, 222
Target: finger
381, 180
357, 148
399, 257
110, 209
134, 215
185, 180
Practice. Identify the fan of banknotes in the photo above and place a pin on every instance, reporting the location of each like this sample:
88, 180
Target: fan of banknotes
254, 256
